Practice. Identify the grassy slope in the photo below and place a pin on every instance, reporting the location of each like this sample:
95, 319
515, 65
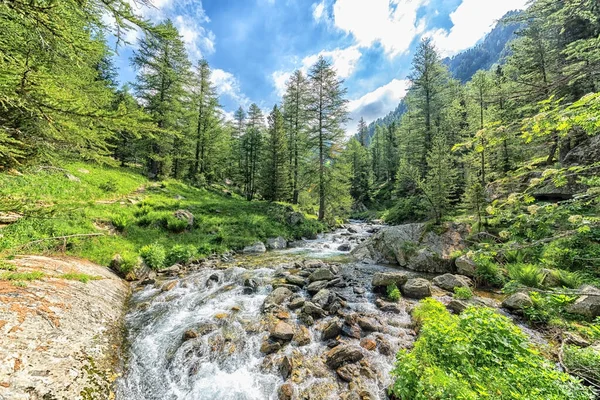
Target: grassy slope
55, 206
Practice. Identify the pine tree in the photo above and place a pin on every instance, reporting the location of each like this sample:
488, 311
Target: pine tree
441, 177
276, 178
363, 131
360, 171
327, 110
480, 87
163, 69
252, 147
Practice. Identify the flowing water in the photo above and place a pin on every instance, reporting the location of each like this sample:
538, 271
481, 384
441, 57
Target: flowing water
225, 361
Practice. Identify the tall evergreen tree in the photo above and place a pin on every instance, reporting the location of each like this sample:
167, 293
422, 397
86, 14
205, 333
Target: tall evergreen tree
252, 147
276, 178
328, 113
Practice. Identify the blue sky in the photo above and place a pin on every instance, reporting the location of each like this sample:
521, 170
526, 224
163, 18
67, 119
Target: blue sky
254, 45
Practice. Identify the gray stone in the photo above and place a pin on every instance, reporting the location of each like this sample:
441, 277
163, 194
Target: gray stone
416, 288
465, 266
295, 218
587, 305
277, 243
256, 248
285, 368
185, 215
312, 310
321, 274
457, 306
270, 346
277, 297
344, 247
295, 280
517, 302
296, 303
449, 281
332, 329
316, 286
283, 331
322, 298
387, 306
343, 354
389, 278
369, 324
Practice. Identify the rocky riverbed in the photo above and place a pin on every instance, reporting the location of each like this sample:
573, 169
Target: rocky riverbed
308, 322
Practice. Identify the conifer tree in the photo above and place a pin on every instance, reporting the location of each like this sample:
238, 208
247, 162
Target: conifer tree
276, 178
252, 147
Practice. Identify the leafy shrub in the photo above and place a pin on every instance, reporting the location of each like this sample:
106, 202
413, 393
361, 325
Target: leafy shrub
143, 209
547, 307
463, 293
568, 279
406, 209
477, 354
120, 222
392, 292
129, 261
175, 225
583, 362
487, 271
180, 254
527, 274
108, 186
154, 255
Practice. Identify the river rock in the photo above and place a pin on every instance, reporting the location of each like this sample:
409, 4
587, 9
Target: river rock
389, 278
313, 310
457, 306
168, 286
190, 334
277, 243
344, 247
352, 331
256, 248
517, 302
277, 297
316, 286
332, 329
270, 346
302, 336
449, 281
313, 264
343, 354
321, 274
368, 344
322, 298
387, 306
465, 266
414, 246
369, 324
295, 280
285, 368
185, 215
348, 372
587, 305
417, 288
296, 303
285, 391
283, 331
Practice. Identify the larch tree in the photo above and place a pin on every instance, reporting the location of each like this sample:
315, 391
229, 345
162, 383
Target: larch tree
252, 148
327, 109
276, 163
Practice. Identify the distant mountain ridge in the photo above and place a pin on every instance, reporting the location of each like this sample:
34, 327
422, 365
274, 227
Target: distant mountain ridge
492, 50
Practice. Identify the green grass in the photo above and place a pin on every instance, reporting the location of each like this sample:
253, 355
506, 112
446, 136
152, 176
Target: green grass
107, 200
22, 276
81, 277
6, 266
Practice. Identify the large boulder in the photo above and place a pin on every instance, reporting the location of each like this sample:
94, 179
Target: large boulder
449, 281
256, 248
465, 266
389, 278
322, 298
276, 297
277, 243
343, 354
587, 305
414, 246
322, 274
517, 302
417, 288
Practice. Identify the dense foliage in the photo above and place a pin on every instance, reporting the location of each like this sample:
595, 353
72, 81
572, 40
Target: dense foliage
479, 354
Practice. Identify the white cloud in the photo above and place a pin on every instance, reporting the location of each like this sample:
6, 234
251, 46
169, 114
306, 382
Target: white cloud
228, 85
393, 23
377, 103
319, 11
280, 79
344, 61
472, 20
197, 39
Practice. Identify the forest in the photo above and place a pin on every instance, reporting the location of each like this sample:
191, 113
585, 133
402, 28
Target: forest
511, 150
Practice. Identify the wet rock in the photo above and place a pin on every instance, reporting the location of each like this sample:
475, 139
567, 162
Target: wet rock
205, 328
169, 286
587, 305
277, 297
214, 278
348, 372
387, 306
190, 334
465, 266
297, 243
343, 354
296, 303
283, 331
313, 264
457, 306
277, 243
285, 391
302, 336
283, 315
314, 287
291, 288
312, 310
256, 248
332, 329
359, 290
369, 324
172, 270
449, 281
270, 346
344, 247
322, 298
384, 347
352, 229
285, 368
185, 215
321, 274
517, 302
331, 343
352, 331
389, 278
416, 288
295, 280
368, 344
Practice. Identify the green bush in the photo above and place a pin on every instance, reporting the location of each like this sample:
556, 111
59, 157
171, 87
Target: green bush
392, 292
583, 362
180, 254
120, 222
568, 279
478, 354
463, 293
108, 186
176, 225
406, 209
129, 261
527, 274
487, 271
154, 255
